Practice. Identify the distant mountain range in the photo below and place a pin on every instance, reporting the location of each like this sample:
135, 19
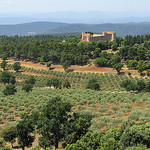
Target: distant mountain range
35, 28
90, 17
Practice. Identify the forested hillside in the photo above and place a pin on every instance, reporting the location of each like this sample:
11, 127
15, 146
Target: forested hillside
56, 27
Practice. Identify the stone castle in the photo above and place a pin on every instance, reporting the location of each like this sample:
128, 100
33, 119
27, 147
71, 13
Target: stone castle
105, 36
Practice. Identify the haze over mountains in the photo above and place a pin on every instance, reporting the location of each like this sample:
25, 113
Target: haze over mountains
90, 17
123, 23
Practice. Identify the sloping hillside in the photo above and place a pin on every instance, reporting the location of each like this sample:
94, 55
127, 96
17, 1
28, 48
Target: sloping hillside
56, 27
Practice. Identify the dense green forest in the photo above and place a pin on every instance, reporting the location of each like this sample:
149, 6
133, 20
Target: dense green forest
132, 50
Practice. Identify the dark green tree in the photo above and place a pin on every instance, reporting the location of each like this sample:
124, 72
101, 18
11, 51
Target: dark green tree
115, 59
9, 89
3, 64
78, 127
140, 85
140, 66
27, 87
93, 84
101, 62
9, 134
96, 52
30, 80
118, 67
107, 140
12, 80
24, 129
132, 64
135, 134
66, 84
52, 123
56, 82
147, 87
129, 85
16, 66
5, 77
114, 47
66, 64
49, 64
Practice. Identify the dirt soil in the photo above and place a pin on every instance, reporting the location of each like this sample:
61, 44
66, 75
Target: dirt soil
74, 68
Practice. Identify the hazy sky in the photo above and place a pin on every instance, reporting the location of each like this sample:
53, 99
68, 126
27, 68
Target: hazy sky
74, 5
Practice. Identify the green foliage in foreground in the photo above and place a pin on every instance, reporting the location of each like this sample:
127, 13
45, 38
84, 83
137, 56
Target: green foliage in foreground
22, 101
130, 137
52, 123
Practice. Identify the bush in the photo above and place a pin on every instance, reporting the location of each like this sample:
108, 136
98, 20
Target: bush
136, 134
30, 80
101, 62
2, 143
93, 84
6, 77
27, 87
5, 148
9, 89
54, 82
66, 84
16, 66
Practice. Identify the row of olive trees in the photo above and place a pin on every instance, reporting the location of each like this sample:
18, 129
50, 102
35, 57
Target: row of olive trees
92, 83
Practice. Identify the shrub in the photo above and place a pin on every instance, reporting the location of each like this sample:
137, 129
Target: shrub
110, 112
101, 110
27, 87
115, 108
30, 80
66, 84
93, 84
16, 66
9, 89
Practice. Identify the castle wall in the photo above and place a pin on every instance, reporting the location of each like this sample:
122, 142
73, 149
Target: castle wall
105, 36
98, 38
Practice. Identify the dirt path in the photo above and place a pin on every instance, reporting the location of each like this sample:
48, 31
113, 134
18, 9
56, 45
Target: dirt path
75, 68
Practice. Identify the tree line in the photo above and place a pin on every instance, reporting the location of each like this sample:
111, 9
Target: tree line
134, 51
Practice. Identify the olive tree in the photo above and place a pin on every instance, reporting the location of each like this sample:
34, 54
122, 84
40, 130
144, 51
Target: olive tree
16, 66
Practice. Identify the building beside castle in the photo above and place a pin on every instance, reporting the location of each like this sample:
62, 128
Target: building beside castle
105, 36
